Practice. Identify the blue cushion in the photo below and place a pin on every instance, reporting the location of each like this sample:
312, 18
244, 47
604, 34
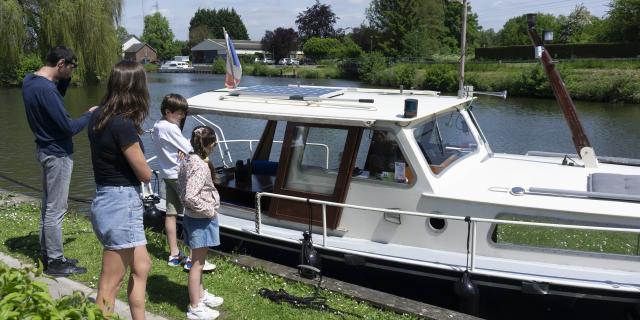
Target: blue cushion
265, 167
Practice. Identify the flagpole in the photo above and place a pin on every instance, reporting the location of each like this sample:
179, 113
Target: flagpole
226, 40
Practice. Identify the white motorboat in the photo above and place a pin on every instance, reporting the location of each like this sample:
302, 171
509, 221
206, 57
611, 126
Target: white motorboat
175, 66
421, 193
405, 181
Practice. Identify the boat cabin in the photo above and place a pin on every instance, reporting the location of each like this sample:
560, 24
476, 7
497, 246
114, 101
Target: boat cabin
323, 143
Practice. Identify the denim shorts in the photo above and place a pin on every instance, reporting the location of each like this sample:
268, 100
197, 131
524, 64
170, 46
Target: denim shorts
116, 216
201, 233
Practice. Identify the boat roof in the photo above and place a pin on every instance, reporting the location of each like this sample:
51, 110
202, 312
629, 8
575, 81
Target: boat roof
325, 105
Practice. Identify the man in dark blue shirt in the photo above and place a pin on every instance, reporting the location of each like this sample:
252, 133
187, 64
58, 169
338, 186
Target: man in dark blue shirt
53, 129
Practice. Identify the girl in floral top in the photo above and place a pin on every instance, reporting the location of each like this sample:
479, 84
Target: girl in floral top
201, 202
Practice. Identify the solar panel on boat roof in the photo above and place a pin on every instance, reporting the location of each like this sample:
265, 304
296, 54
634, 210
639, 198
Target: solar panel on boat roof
262, 90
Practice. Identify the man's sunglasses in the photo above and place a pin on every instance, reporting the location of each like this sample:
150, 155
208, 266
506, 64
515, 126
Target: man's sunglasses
73, 64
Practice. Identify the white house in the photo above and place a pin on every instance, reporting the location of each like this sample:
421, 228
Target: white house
131, 40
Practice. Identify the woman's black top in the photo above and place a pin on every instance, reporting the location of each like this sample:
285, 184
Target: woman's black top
110, 167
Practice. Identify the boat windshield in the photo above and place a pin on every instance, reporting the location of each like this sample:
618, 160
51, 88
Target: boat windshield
445, 139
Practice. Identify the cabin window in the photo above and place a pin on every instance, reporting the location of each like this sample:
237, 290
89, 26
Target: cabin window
444, 140
564, 239
380, 158
314, 159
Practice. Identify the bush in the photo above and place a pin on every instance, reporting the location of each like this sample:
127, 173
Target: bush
349, 68
440, 77
346, 49
150, 67
562, 51
319, 48
13, 75
371, 65
309, 73
405, 75
533, 83
23, 298
262, 70
219, 66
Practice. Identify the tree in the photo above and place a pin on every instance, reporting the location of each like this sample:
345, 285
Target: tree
158, 35
346, 49
232, 22
208, 24
319, 48
453, 21
13, 32
623, 22
88, 27
363, 36
317, 21
514, 31
280, 42
427, 38
122, 34
578, 26
487, 38
392, 19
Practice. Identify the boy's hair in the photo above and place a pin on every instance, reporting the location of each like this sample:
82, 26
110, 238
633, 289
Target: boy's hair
173, 102
60, 52
201, 138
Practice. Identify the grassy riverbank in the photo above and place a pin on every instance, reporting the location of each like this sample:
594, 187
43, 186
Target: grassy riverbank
589, 80
167, 286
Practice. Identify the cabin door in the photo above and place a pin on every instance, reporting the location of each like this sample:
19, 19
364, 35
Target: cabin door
316, 162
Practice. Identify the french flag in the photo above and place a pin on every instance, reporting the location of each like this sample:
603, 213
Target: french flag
234, 69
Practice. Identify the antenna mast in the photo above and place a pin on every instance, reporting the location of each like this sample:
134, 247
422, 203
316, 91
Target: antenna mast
463, 50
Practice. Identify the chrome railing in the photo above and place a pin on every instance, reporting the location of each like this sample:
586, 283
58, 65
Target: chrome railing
471, 220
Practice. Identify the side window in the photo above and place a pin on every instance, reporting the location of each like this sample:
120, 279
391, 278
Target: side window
314, 164
444, 140
380, 158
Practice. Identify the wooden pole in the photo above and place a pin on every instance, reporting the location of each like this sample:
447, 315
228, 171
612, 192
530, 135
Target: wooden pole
563, 97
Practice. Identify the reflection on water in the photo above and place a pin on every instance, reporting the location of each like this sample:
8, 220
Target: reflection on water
514, 125
518, 125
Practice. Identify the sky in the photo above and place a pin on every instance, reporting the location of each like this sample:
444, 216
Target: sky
261, 15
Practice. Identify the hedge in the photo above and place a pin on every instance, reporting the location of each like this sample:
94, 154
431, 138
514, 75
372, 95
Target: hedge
563, 51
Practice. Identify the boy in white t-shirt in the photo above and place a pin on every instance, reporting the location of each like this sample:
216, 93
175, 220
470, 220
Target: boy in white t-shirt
171, 148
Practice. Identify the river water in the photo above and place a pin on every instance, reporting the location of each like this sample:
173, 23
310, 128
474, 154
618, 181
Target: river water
514, 125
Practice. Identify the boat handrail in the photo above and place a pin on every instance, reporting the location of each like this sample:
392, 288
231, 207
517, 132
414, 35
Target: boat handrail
601, 159
251, 141
201, 120
379, 90
304, 103
471, 220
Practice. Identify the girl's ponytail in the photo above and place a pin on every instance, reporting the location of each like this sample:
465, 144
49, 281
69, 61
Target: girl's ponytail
201, 138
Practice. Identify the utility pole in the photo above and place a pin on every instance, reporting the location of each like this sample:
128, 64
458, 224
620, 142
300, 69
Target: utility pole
463, 49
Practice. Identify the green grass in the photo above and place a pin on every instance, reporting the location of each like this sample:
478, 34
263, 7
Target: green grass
568, 239
167, 286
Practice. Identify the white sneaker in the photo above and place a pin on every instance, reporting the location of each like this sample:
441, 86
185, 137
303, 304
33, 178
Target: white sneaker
207, 266
201, 312
210, 300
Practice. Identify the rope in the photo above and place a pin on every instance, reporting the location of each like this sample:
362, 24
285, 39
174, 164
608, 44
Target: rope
314, 302
468, 220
